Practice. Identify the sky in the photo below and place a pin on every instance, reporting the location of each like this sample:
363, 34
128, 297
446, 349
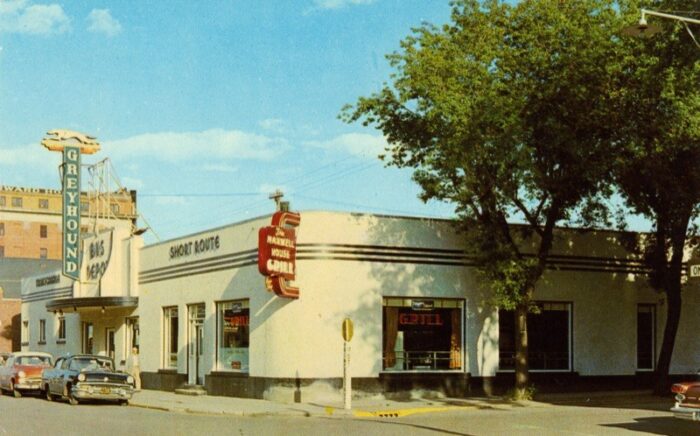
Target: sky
206, 107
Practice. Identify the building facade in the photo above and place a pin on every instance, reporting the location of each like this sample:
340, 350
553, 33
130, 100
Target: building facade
201, 312
31, 238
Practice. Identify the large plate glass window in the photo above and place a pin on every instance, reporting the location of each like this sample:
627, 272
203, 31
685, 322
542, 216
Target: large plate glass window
233, 335
170, 337
548, 334
422, 334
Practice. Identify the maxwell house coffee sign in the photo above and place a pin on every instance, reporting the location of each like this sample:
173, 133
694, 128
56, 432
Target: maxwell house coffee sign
277, 248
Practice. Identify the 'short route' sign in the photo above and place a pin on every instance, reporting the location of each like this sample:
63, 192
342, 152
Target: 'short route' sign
72, 145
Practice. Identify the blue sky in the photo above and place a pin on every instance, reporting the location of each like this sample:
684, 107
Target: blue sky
235, 97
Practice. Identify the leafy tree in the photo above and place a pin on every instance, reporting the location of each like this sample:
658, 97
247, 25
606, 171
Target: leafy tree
658, 168
503, 113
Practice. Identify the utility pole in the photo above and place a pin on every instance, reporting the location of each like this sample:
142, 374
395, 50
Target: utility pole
277, 197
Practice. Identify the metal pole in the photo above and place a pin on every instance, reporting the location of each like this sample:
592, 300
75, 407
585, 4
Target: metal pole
347, 383
673, 17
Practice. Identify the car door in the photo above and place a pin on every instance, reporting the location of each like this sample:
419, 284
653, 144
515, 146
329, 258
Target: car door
53, 375
4, 371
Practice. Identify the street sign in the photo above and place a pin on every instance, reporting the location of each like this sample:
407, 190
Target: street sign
347, 329
694, 270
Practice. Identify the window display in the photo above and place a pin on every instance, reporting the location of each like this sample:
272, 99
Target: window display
233, 337
422, 334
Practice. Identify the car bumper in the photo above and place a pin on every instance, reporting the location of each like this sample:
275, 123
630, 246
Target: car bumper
28, 385
689, 413
102, 393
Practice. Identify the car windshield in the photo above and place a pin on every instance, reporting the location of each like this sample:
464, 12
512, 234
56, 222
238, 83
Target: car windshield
33, 360
90, 364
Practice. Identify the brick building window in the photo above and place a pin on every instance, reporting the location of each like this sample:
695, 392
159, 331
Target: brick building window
2, 200
16, 201
43, 231
43, 203
2, 229
43, 253
115, 208
2, 251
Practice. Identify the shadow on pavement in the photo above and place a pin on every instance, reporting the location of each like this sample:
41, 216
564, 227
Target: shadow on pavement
660, 426
414, 426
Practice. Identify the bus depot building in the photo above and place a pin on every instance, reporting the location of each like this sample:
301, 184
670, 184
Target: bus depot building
201, 312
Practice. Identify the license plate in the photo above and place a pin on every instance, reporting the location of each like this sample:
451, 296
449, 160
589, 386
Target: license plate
104, 390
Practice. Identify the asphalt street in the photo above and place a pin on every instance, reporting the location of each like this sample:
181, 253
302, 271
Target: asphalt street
30, 416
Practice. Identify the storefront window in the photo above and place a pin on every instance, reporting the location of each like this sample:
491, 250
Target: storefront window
548, 334
422, 334
170, 333
234, 335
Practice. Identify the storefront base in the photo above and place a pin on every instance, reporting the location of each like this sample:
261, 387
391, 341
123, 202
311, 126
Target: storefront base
289, 390
396, 385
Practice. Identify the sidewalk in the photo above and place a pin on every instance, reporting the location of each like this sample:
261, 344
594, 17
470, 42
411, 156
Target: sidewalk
374, 407
362, 408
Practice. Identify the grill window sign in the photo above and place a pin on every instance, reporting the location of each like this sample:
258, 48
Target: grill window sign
422, 335
233, 335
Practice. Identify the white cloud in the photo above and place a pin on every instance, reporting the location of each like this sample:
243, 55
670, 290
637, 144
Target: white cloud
337, 4
132, 183
358, 144
273, 124
212, 145
220, 168
18, 16
28, 156
101, 21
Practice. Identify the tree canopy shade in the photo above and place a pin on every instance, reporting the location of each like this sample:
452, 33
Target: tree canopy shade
504, 112
657, 170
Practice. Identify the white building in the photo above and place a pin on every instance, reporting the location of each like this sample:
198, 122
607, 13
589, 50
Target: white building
422, 319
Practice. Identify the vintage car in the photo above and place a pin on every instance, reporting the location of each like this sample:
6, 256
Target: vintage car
21, 372
83, 377
687, 400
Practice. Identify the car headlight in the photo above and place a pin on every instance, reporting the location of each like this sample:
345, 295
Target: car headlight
130, 380
21, 374
680, 398
81, 377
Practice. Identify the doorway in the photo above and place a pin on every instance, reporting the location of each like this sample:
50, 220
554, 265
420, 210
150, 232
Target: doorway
109, 342
195, 367
87, 338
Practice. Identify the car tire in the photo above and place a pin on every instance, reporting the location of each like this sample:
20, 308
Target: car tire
14, 391
124, 402
48, 395
72, 400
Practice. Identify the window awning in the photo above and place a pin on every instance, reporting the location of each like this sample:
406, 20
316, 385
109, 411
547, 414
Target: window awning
73, 304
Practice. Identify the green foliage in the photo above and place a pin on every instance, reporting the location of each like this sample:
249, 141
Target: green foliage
521, 394
503, 113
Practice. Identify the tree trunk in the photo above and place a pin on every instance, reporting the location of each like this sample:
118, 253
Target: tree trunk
673, 316
673, 288
522, 376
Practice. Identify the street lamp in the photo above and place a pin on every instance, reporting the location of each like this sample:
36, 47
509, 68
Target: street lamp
646, 30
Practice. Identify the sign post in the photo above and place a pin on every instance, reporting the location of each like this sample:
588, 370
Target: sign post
347, 331
72, 145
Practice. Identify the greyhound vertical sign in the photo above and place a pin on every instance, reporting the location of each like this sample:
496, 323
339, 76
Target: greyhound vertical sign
72, 145
71, 212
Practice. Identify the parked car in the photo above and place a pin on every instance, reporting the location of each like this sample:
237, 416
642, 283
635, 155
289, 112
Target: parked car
687, 400
21, 372
87, 377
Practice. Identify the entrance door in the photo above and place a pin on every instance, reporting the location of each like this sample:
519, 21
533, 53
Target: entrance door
87, 338
195, 367
109, 341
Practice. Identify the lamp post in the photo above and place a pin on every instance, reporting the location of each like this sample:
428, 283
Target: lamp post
646, 30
